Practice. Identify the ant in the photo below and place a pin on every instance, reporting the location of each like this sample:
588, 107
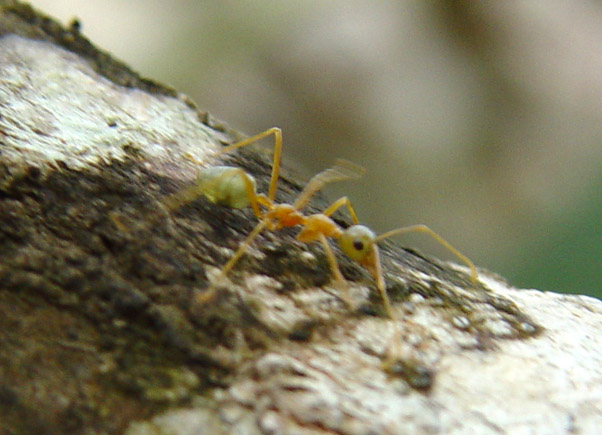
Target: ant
233, 187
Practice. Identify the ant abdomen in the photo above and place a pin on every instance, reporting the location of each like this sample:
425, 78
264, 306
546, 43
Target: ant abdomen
227, 186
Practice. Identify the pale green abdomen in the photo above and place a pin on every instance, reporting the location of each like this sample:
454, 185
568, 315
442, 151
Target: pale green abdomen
227, 186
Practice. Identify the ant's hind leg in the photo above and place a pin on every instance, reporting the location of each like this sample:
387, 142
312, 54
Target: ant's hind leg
277, 154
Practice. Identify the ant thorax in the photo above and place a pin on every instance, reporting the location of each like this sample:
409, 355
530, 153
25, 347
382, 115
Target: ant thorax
317, 224
283, 216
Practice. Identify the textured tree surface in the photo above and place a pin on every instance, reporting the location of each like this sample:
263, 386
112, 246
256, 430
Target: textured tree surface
102, 329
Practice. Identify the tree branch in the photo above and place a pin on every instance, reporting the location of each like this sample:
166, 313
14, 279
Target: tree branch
102, 329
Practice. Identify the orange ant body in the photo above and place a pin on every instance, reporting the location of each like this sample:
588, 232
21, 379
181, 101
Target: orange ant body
233, 187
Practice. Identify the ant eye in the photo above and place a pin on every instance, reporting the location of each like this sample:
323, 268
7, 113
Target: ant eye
356, 242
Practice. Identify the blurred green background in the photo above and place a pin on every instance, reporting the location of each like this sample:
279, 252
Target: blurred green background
482, 120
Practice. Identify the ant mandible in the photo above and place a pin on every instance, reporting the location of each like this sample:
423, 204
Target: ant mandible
233, 187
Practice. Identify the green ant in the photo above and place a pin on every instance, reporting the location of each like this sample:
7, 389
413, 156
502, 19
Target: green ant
233, 187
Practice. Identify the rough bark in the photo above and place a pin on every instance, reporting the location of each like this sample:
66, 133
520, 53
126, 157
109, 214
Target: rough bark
101, 329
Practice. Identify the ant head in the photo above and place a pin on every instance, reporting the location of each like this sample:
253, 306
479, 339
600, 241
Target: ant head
357, 242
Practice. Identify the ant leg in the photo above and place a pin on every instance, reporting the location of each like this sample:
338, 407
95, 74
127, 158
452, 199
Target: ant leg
251, 195
277, 154
182, 197
344, 201
380, 281
393, 348
341, 171
210, 293
424, 229
332, 260
243, 247
336, 272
